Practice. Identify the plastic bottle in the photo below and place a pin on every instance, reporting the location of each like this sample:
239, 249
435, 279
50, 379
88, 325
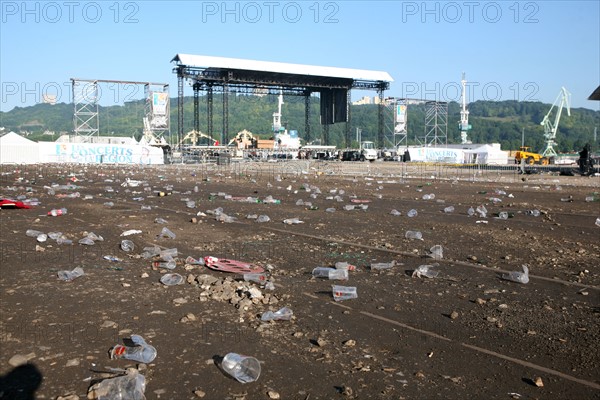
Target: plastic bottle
414, 235
70, 275
196, 190
598, 221
292, 221
344, 265
190, 204
166, 232
42, 238
437, 252
425, 271
171, 279
283, 314
86, 241
130, 386
263, 218
168, 264
349, 207
33, 233
503, 215
343, 292
57, 211
517, 276
471, 211
449, 209
378, 266
535, 213
159, 221
411, 213
330, 273
254, 277
127, 245
330, 209
482, 211
245, 369
141, 352
63, 240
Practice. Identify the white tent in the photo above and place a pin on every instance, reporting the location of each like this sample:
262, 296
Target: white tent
15, 149
486, 154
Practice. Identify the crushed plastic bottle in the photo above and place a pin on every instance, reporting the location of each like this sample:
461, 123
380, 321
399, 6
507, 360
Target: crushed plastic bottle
167, 233
395, 213
330, 273
130, 386
255, 277
330, 209
430, 196
171, 264
535, 213
171, 279
140, 351
413, 235
42, 238
449, 209
380, 266
349, 207
57, 211
159, 221
436, 252
425, 271
263, 218
86, 241
344, 265
283, 314
471, 211
127, 246
341, 293
33, 233
502, 215
244, 369
292, 221
412, 213
517, 276
70, 275
598, 221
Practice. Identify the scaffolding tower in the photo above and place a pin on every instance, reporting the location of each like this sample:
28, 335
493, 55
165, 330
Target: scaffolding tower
436, 123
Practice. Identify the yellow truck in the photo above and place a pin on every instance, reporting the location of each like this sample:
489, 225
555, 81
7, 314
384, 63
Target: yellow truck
531, 158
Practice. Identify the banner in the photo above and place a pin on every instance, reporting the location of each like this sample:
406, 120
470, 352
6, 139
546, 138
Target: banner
160, 102
401, 116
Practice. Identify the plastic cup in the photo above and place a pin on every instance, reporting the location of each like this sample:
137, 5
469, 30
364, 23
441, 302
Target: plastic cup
171, 279
243, 368
344, 292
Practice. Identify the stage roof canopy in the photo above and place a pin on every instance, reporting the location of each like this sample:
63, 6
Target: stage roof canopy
235, 70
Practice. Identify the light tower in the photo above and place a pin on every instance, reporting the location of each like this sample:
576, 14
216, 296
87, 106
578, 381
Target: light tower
277, 116
464, 113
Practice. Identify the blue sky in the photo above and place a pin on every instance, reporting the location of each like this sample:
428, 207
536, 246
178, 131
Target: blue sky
510, 50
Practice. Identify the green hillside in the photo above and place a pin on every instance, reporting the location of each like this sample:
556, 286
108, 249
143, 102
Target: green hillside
501, 122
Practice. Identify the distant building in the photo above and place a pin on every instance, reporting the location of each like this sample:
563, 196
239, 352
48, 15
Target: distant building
49, 99
363, 100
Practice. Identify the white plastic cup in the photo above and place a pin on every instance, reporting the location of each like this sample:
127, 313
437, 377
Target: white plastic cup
344, 292
243, 368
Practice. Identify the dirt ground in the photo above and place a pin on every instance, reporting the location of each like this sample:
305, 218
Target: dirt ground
465, 334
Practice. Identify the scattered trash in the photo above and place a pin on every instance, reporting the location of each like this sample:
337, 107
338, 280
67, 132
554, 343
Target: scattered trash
127, 245
345, 265
414, 235
344, 292
379, 266
131, 232
243, 368
263, 218
167, 233
292, 221
425, 271
140, 351
283, 314
330, 273
254, 277
192, 261
57, 211
168, 264
70, 275
129, 386
517, 276
226, 265
411, 213
437, 252
171, 279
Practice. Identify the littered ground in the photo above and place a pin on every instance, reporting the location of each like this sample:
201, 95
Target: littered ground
466, 334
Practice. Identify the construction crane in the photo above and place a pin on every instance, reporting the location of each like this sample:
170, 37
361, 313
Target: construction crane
550, 128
